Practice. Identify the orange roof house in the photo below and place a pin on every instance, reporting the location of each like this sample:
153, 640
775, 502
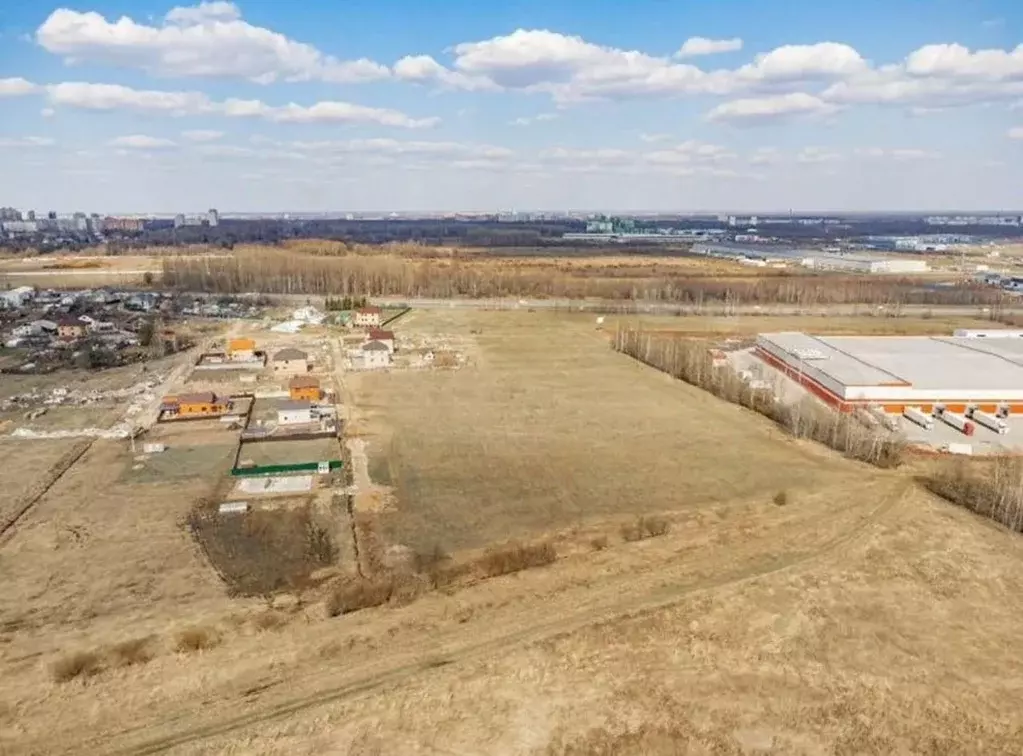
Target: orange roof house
199, 404
235, 346
304, 387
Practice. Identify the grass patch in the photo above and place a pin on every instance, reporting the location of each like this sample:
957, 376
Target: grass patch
645, 527
269, 620
781, 498
598, 543
359, 594
195, 638
80, 664
132, 652
516, 557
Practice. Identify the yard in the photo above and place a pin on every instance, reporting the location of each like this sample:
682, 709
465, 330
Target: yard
290, 452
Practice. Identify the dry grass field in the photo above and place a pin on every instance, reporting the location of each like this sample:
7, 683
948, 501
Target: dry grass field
23, 464
549, 429
858, 614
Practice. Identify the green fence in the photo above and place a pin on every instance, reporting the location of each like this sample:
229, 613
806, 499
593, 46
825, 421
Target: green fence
333, 464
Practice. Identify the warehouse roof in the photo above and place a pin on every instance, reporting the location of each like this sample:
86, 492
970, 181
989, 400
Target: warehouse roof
925, 362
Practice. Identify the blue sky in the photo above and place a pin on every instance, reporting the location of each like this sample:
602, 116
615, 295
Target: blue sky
455, 105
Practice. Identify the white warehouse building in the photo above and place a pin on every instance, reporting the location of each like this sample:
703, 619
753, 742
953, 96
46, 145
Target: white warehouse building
866, 264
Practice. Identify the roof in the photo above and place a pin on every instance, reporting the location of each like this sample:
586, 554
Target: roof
286, 355
937, 363
241, 344
68, 322
304, 381
198, 397
378, 334
375, 346
371, 310
293, 404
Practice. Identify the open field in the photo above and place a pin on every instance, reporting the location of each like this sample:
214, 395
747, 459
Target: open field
841, 618
548, 428
291, 452
852, 325
24, 464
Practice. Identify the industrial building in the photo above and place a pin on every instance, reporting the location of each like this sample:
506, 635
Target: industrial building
970, 369
865, 264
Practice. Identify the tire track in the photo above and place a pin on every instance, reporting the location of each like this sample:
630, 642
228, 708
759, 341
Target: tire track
652, 601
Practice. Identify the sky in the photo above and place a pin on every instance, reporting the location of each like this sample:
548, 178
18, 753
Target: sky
651, 105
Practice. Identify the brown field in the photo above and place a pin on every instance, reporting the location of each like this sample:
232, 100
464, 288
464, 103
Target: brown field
856, 614
854, 325
291, 452
23, 464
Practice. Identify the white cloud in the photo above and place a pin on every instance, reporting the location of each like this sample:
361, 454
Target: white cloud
141, 142
793, 63
202, 135
28, 141
47, 112
654, 138
771, 107
210, 39
530, 120
422, 69
1015, 133
957, 61
117, 97
765, 156
16, 86
695, 46
898, 154
204, 12
818, 155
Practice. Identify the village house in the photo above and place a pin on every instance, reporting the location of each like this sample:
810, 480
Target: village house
200, 404
71, 328
241, 349
368, 317
291, 361
375, 355
304, 387
15, 299
294, 412
384, 337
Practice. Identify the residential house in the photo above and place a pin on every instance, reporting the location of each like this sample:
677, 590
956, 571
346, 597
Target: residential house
200, 404
375, 355
71, 328
384, 337
15, 299
291, 361
368, 317
241, 349
45, 326
294, 412
304, 387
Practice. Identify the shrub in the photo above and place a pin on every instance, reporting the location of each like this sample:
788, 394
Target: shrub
131, 652
195, 639
781, 498
645, 527
359, 594
516, 557
598, 543
83, 664
269, 620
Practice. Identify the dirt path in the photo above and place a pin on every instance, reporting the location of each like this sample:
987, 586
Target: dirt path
629, 597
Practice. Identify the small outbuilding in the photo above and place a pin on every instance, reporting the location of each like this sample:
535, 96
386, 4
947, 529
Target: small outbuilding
291, 361
368, 317
294, 412
304, 387
71, 328
241, 349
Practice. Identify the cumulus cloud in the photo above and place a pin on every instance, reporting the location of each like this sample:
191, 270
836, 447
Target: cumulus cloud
818, 155
202, 135
898, 154
208, 40
695, 46
15, 87
117, 97
141, 142
27, 141
530, 120
1015, 133
756, 109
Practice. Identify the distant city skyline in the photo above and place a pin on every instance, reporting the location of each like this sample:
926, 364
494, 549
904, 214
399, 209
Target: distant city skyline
455, 106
